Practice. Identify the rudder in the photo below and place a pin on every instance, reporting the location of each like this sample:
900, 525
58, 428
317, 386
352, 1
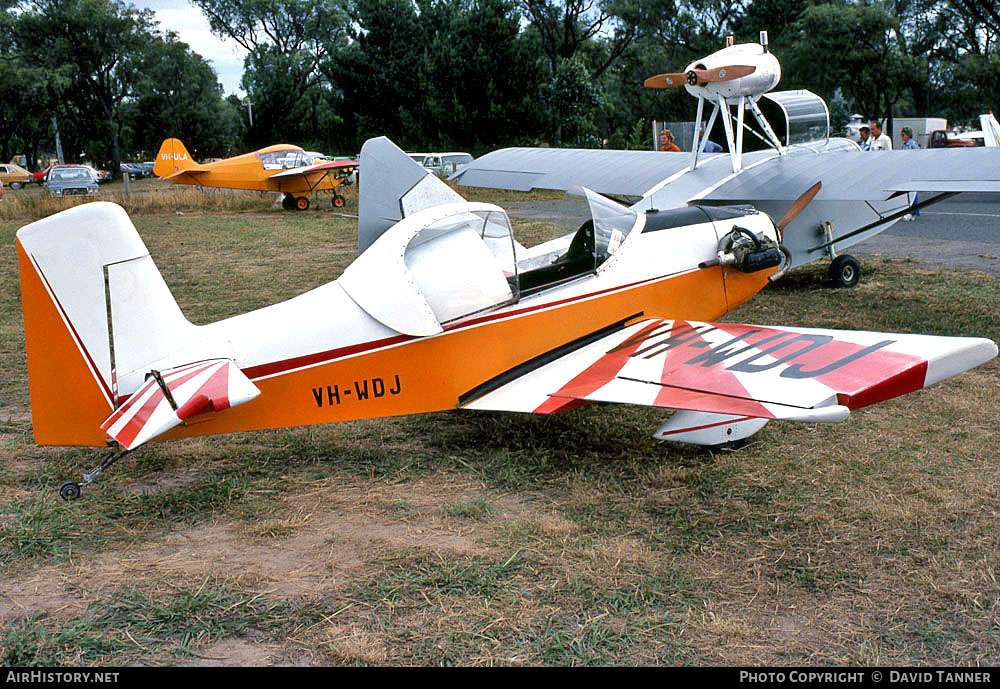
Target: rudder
82, 272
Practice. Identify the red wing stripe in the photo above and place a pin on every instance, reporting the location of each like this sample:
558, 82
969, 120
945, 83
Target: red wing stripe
212, 395
707, 425
600, 373
723, 382
139, 419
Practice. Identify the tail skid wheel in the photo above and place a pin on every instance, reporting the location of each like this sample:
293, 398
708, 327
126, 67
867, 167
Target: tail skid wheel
70, 490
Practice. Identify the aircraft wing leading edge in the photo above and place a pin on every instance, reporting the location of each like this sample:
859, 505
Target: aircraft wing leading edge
726, 370
846, 175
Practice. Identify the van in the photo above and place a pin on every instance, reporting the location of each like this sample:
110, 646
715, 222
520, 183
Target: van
443, 164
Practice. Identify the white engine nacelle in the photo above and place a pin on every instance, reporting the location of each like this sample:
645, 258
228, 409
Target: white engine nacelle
764, 78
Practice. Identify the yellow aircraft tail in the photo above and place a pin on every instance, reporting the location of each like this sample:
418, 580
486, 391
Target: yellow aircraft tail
172, 158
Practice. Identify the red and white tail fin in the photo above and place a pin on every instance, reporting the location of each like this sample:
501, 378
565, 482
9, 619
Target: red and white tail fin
97, 315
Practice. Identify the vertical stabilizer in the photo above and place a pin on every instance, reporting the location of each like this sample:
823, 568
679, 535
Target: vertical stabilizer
95, 311
393, 186
173, 157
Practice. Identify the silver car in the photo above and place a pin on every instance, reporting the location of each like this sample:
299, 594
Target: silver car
71, 180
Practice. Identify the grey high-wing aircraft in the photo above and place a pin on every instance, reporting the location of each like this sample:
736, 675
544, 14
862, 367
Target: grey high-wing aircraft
858, 194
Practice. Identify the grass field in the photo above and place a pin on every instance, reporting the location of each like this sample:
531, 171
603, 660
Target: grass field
473, 539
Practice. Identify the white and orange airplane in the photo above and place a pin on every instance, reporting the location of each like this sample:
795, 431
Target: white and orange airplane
444, 309
281, 168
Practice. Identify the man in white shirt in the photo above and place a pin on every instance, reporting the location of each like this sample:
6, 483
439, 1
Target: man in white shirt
881, 141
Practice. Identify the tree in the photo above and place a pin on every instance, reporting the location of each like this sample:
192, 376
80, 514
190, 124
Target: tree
100, 43
287, 40
179, 96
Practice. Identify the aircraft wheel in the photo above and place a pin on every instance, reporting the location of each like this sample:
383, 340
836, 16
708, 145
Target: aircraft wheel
288, 202
15, 185
302, 203
69, 491
845, 271
337, 201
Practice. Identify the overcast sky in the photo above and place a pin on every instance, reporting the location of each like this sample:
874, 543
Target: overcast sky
187, 21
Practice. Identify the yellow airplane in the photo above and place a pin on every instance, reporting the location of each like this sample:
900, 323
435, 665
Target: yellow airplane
282, 168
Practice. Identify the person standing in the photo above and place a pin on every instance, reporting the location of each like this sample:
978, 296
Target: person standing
707, 145
864, 138
880, 142
906, 134
667, 141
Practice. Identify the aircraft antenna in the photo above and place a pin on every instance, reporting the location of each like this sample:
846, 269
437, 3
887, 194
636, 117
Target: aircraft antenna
763, 40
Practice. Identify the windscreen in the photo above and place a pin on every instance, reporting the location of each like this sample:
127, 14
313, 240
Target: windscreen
806, 116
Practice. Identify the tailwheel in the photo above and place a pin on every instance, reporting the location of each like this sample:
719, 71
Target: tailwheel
337, 201
845, 271
302, 203
70, 490
288, 202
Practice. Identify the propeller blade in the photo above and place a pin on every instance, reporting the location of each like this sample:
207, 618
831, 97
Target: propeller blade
665, 81
697, 77
799, 206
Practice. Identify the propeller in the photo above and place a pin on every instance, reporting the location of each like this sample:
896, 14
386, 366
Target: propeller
699, 77
665, 81
799, 206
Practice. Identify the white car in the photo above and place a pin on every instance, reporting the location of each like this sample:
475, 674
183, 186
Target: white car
443, 164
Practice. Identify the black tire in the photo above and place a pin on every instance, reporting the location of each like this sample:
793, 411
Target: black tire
845, 271
302, 203
337, 201
69, 491
288, 202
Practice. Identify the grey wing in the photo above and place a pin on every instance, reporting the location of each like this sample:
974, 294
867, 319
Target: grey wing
616, 173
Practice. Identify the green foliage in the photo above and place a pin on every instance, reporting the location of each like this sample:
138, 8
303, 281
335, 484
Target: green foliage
460, 74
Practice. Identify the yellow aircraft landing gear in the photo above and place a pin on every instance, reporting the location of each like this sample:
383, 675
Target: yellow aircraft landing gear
337, 201
295, 203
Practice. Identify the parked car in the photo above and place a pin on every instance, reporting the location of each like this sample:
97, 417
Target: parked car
100, 176
443, 164
14, 176
72, 180
945, 138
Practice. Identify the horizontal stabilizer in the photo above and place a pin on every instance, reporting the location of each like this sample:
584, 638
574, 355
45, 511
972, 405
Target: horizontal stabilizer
191, 173
170, 397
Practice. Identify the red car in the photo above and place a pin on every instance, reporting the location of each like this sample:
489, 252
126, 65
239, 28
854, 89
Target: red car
945, 138
39, 177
